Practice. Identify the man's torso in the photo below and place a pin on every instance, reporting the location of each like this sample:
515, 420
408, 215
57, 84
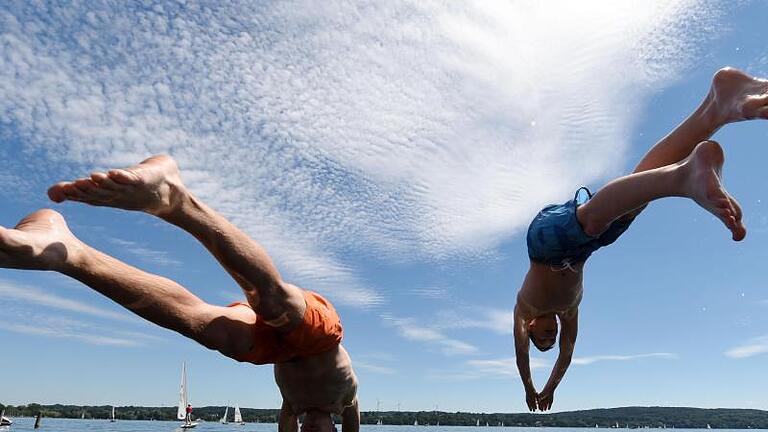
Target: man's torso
550, 291
324, 382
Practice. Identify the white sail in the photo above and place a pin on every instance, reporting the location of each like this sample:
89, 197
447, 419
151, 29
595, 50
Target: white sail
181, 414
238, 417
224, 418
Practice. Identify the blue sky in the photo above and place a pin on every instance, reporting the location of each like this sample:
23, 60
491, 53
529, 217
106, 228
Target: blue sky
390, 156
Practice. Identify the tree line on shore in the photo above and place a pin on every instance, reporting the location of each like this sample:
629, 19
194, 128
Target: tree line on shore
628, 417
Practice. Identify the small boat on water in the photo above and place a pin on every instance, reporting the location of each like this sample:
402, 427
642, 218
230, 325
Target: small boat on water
181, 413
5, 421
112, 418
238, 416
224, 417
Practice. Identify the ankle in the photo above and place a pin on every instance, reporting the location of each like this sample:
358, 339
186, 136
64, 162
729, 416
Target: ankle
708, 115
681, 175
77, 256
182, 208
177, 196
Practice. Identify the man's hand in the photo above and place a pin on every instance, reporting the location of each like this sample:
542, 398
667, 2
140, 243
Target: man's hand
546, 397
531, 399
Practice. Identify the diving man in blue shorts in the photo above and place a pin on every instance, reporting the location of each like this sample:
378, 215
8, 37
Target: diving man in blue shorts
562, 236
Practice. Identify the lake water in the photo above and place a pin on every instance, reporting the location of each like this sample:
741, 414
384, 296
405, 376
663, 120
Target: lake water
72, 425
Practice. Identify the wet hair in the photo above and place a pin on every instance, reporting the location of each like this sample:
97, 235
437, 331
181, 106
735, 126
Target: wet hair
539, 346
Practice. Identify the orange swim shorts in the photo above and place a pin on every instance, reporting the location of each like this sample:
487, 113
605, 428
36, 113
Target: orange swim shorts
320, 331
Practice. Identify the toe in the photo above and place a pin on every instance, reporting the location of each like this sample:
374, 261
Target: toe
105, 182
741, 232
85, 185
122, 176
56, 192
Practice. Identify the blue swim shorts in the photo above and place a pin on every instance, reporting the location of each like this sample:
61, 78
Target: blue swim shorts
556, 237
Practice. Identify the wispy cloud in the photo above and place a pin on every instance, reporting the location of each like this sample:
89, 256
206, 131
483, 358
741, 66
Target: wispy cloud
397, 130
10, 291
147, 254
507, 367
489, 368
431, 292
752, 347
42, 324
497, 320
411, 330
378, 369
592, 359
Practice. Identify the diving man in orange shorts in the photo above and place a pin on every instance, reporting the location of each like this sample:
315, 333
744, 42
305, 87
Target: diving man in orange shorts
562, 236
296, 330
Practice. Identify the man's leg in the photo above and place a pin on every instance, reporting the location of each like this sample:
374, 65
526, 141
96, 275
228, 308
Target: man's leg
42, 241
734, 96
154, 186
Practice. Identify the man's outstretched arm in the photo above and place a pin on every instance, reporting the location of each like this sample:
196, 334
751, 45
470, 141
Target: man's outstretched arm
570, 325
287, 421
522, 345
350, 418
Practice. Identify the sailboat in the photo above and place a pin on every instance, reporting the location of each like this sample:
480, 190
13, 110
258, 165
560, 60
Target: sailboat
238, 416
224, 417
5, 421
477, 422
181, 413
112, 418
378, 422
82, 416
415, 422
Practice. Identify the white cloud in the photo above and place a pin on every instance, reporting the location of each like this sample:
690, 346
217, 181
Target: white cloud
431, 292
409, 329
155, 256
593, 359
755, 346
10, 291
489, 368
497, 320
378, 369
36, 323
507, 367
395, 130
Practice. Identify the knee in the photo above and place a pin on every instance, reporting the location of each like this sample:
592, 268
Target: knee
229, 335
591, 224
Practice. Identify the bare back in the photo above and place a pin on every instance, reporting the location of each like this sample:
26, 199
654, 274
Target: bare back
324, 382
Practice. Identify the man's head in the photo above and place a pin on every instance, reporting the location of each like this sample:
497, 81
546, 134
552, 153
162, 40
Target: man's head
317, 421
542, 331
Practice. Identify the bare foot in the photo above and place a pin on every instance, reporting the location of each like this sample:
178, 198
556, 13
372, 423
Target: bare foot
41, 241
703, 185
152, 186
736, 96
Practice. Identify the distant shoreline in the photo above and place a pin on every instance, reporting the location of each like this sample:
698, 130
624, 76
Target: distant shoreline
626, 417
